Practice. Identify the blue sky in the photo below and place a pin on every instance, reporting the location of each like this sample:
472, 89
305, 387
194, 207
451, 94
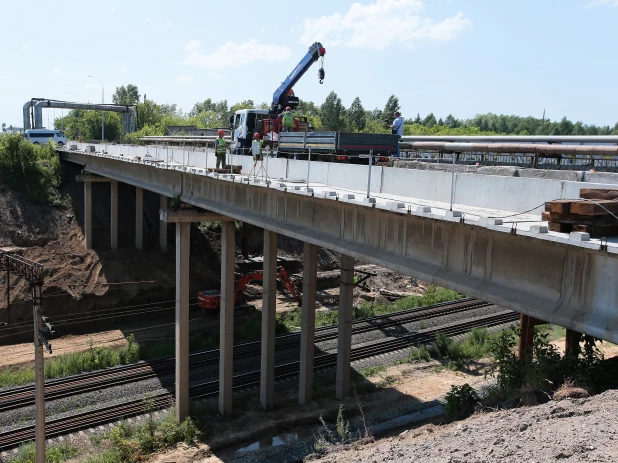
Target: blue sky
444, 56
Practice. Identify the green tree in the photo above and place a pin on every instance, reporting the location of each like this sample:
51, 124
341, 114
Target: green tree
418, 120
220, 107
450, 121
246, 104
392, 105
332, 113
430, 120
126, 95
355, 116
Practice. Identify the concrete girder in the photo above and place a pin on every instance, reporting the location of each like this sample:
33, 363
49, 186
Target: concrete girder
538, 275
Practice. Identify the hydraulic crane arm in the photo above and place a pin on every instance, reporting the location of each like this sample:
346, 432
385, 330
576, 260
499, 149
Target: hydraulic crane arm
282, 97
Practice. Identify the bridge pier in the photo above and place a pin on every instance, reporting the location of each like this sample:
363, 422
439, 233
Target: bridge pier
571, 343
139, 217
269, 315
163, 225
183, 220
526, 337
307, 324
113, 221
226, 321
344, 343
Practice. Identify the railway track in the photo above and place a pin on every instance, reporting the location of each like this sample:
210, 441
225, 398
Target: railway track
96, 380
104, 415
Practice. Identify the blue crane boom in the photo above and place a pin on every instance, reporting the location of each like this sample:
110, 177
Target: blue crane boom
282, 96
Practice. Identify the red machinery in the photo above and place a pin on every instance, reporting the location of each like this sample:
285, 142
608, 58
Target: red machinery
211, 299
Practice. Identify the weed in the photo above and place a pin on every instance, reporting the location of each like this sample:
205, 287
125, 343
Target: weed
373, 370
56, 454
461, 400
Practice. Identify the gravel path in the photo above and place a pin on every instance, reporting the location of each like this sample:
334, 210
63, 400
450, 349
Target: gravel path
577, 431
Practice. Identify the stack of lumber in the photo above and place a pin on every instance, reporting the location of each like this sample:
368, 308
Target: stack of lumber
592, 214
226, 169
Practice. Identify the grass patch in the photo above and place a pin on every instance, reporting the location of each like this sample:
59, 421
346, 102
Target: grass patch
128, 444
373, 371
56, 454
554, 332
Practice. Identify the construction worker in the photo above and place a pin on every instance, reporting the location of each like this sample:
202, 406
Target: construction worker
397, 129
220, 148
289, 121
256, 147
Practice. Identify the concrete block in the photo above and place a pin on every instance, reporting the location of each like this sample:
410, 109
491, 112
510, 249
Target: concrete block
503, 171
395, 206
423, 209
347, 197
329, 194
369, 201
579, 236
538, 229
490, 221
453, 215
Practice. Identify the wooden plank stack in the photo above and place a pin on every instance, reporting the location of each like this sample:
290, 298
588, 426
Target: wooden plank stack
592, 214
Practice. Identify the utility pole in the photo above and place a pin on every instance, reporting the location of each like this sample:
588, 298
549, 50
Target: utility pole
32, 272
543, 124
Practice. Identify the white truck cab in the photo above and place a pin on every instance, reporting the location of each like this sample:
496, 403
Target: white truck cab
244, 126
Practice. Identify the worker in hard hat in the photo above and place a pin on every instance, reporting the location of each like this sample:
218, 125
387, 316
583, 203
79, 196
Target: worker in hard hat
287, 117
256, 147
220, 149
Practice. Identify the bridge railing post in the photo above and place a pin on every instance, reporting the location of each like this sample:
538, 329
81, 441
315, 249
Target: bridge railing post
308, 167
369, 173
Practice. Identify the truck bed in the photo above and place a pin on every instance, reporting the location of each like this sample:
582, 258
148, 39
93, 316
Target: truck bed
338, 142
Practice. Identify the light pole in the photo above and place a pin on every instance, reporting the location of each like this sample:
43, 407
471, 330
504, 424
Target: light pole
102, 112
79, 114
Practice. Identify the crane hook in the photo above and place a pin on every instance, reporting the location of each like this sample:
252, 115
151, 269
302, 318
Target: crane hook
321, 75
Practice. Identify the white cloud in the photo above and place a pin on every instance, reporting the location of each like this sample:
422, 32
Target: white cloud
170, 25
149, 21
93, 87
212, 74
113, 10
119, 70
380, 24
186, 79
292, 30
192, 45
4, 77
25, 47
57, 72
231, 55
593, 3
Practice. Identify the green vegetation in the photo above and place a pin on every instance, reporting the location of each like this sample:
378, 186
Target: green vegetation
94, 358
34, 169
129, 444
461, 400
56, 454
373, 371
154, 118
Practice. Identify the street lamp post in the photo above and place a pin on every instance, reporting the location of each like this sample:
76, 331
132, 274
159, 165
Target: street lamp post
79, 115
102, 112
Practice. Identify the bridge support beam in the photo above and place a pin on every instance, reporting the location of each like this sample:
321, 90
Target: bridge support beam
226, 323
88, 215
344, 343
526, 337
113, 220
183, 235
139, 218
307, 324
571, 343
163, 225
269, 315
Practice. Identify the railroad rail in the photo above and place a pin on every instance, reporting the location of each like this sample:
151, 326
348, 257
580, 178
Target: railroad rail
93, 381
104, 415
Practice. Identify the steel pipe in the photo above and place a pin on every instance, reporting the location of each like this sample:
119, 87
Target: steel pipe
521, 148
514, 139
128, 125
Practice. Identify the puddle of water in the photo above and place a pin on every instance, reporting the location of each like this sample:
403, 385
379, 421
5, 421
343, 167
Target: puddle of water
275, 441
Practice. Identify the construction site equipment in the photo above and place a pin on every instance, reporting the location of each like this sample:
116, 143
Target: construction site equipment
211, 299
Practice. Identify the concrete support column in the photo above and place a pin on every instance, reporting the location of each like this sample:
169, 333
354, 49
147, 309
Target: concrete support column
139, 218
307, 326
183, 233
344, 344
226, 323
269, 314
113, 221
571, 343
88, 215
526, 337
163, 225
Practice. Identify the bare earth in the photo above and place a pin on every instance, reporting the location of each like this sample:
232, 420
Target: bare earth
578, 430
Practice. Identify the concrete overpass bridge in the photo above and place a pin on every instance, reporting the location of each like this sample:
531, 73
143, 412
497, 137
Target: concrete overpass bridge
490, 244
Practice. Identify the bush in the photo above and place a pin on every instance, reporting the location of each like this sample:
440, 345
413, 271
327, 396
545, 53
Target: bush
56, 454
461, 400
34, 169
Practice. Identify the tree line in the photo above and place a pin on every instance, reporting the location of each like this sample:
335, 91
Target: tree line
154, 118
